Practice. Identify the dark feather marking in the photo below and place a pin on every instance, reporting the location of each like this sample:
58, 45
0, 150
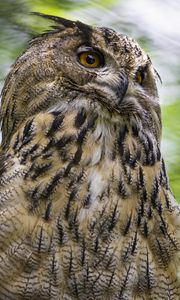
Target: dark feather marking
122, 190
166, 199
73, 224
3, 159
110, 259
160, 248
53, 264
121, 137
158, 154
68, 169
144, 195
111, 279
40, 240
75, 286
141, 178
113, 219
142, 208
48, 147
77, 156
61, 233
80, 118
34, 196
159, 208
150, 143
52, 185
164, 254
140, 214
133, 161
87, 272
70, 261
33, 149
96, 245
56, 124
84, 131
155, 192
107, 34
113, 154
145, 229
83, 252
126, 253
144, 142
128, 224
165, 178
173, 241
125, 281
161, 178
27, 134
71, 183
41, 169
80, 176
126, 156
70, 200
16, 142
163, 230
150, 154
48, 211
96, 280
87, 201
135, 129
103, 257
64, 141
27, 153
134, 244
81, 135
148, 272
152, 159
149, 213
30, 170
28, 129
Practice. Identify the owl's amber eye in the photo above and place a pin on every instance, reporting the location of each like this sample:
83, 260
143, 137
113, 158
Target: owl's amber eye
91, 59
140, 76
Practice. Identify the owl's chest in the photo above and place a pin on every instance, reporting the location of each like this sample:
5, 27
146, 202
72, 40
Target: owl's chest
81, 206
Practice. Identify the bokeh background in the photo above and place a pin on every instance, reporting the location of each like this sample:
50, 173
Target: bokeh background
154, 23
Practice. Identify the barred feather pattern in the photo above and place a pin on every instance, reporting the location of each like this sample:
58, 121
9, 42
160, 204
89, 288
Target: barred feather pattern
90, 213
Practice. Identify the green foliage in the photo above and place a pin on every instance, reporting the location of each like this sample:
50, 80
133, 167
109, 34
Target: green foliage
171, 145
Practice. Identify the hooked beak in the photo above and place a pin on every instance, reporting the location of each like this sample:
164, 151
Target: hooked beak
121, 87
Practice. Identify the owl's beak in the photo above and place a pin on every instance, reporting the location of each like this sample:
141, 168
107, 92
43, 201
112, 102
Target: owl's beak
121, 87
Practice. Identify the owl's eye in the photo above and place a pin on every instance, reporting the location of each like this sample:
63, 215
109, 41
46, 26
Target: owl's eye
140, 75
91, 59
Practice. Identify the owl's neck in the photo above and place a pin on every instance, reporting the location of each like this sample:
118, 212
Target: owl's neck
62, 147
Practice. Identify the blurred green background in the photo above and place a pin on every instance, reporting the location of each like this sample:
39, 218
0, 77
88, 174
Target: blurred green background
154, 23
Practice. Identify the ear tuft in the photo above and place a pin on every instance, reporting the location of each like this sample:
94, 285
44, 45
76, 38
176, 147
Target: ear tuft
65, 23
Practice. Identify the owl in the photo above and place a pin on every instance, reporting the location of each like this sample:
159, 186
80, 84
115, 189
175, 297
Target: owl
86, 210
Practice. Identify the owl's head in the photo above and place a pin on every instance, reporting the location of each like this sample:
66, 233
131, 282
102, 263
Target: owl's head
75, 65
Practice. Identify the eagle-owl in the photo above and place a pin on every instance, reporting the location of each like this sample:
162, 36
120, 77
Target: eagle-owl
86, 208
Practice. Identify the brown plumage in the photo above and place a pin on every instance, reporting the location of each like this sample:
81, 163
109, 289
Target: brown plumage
86, 208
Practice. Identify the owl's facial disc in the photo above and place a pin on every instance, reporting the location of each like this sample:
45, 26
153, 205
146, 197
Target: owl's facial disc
113, 87
105, 84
